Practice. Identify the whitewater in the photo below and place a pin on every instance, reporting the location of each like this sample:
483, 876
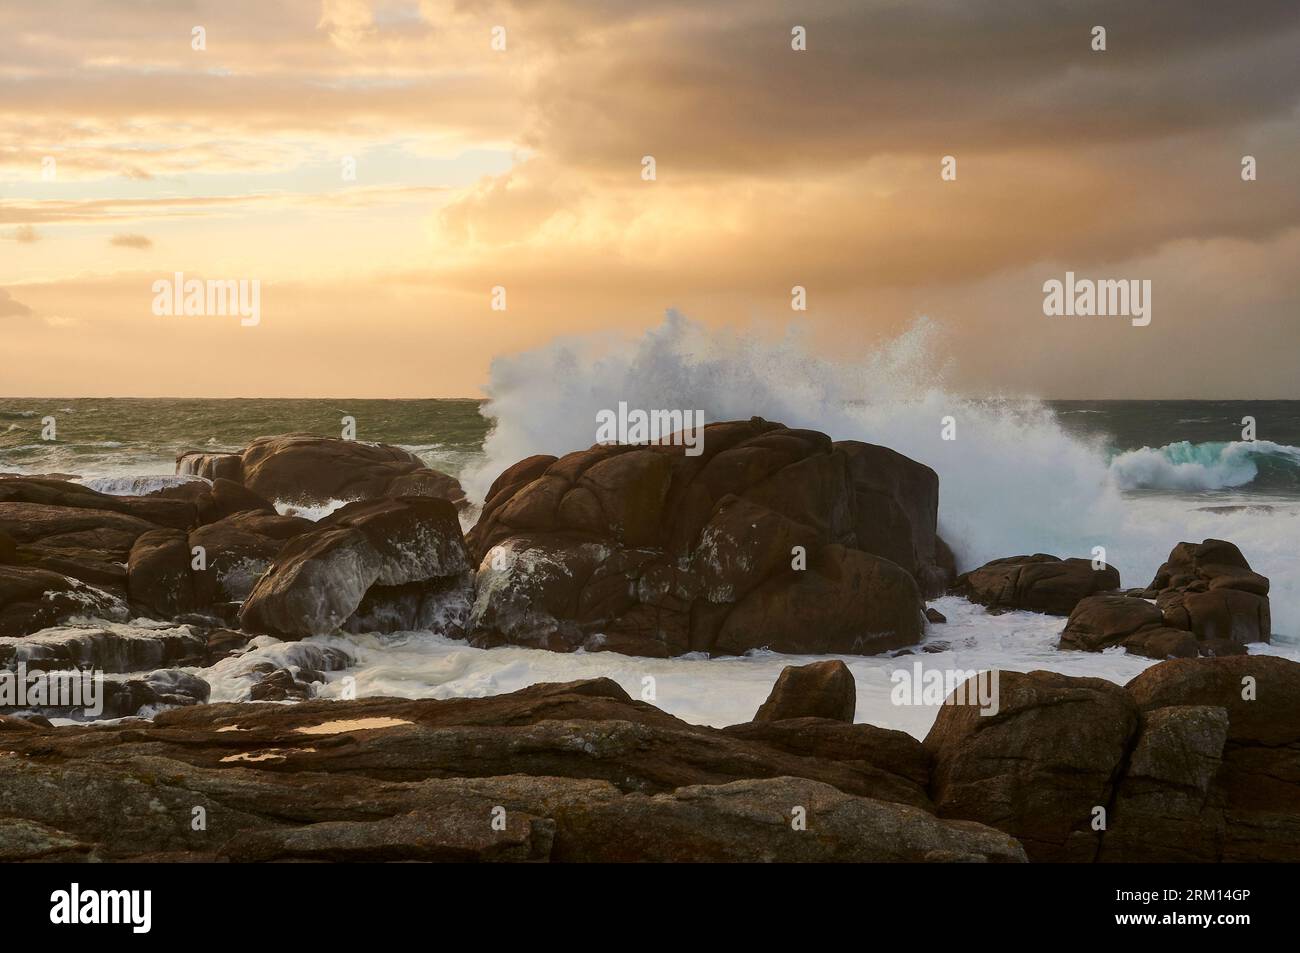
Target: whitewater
1019, 477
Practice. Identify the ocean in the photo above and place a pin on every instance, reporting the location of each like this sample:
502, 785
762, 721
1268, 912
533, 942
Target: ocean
1021, 476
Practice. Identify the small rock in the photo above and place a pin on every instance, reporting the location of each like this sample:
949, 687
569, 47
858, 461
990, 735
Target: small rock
820, 690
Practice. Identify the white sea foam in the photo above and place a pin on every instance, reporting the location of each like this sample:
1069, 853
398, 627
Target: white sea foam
312, 511
137, 485
719, 691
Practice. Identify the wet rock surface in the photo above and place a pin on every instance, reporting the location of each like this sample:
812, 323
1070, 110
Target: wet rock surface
395, 563
770, 537
1176, 765
559, 768
1039, 583
305, 468
1196, 759
1207, 601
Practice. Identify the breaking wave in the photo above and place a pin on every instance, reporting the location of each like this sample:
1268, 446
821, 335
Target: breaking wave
1259, 464
1012, 480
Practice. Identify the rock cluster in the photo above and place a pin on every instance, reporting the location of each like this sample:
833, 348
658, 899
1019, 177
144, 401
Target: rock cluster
771, 537
1207, 601
1195, 760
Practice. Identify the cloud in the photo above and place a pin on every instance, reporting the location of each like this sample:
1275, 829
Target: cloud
348, 22
775, 168
11, 307
131, 241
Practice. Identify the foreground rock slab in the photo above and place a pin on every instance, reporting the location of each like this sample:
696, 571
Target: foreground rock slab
1196, 759
570, 772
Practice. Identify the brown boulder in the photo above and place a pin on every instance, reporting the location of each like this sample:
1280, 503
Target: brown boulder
382, 564
1209, 589
820, 690
1101, 622
1168, 807
897, 508
171, 513
88, 544
1216, 775
1039, 583
756, 821
306, 469
770, 537
1038, 768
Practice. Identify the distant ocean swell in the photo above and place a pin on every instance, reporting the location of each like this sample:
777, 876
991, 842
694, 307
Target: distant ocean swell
1257, 465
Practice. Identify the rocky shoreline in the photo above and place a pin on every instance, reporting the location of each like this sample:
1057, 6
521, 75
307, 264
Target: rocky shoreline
771, 538
1176, 766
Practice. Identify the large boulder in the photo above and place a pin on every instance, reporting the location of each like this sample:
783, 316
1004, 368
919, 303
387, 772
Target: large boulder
1038, 768
1039, 583
1215, 774
1209, 589
716, 824
305, 468
371, 565
820, 690
212, 568
769, 537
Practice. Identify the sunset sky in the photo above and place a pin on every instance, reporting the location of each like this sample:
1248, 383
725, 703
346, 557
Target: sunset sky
521, 167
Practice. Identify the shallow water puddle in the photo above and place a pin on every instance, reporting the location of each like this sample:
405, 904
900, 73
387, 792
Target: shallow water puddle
352, 724
271, 754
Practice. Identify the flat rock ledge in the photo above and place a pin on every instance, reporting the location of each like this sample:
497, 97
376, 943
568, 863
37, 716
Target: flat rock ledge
559, 772
1182, 765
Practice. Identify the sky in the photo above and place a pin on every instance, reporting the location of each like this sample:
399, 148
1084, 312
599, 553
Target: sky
379, 167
